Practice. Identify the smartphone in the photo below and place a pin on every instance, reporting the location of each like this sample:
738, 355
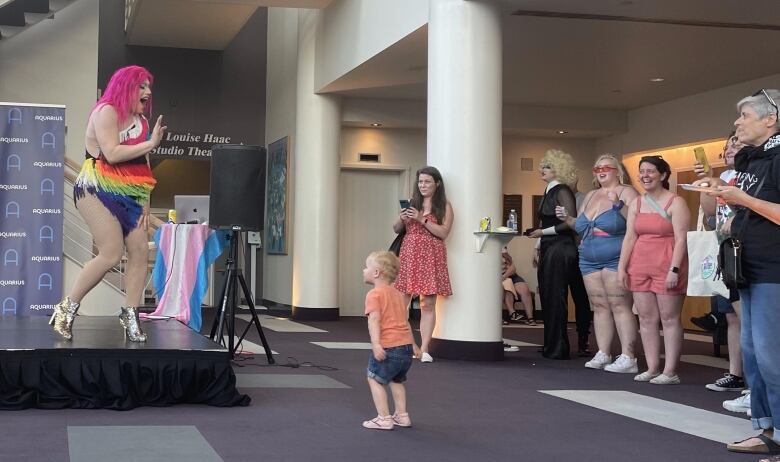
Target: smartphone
404, 204
701, 157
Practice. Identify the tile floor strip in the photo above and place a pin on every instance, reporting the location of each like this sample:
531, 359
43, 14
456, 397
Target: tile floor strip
703, 360
250, 347
509, 341
343, 345
280, 324
687, 419
134, 443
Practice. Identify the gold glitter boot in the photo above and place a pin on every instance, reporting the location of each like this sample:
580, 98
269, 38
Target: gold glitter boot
62, 318
132, 324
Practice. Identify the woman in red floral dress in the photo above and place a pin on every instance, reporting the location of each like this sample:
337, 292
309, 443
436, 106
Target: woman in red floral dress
423, 255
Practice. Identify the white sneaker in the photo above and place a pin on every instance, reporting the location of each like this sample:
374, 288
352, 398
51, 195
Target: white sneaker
623, 365
599, 361
741, 404
646, 376
426, 358
664, 379
511, 348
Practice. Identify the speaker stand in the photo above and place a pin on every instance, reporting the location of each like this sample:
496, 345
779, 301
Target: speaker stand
226, 317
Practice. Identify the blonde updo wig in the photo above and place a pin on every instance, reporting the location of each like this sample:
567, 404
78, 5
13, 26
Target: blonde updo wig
563, 165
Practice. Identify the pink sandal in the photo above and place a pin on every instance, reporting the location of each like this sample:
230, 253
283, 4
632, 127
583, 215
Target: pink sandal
402, 419
379, 423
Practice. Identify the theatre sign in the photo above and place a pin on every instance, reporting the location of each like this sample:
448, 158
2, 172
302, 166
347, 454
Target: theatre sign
188, 146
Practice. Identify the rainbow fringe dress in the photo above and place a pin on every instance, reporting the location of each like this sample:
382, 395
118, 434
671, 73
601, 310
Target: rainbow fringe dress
123, 188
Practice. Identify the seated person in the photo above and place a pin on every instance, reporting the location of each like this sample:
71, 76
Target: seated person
515, 289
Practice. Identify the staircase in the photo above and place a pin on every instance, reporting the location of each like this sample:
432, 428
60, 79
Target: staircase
19, 15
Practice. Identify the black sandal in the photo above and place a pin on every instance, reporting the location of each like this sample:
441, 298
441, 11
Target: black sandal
768, 446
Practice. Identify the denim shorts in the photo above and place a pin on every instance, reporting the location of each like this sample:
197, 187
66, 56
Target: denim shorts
600, 252
723, 305
396, 364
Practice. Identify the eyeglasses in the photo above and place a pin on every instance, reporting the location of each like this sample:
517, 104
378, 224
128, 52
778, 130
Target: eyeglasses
771, 101
603, 169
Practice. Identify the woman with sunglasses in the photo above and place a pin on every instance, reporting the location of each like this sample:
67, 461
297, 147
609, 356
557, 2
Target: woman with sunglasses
654, 267
756, 197
601, 225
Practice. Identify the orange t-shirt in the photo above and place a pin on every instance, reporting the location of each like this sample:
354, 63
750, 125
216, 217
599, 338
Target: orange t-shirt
393, 325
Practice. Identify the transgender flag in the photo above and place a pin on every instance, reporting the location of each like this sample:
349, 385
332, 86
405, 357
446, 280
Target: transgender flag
180, 276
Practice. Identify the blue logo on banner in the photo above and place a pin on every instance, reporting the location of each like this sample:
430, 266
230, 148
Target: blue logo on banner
11, 256
45, 280
9, 306
14, 115
46, 233
31, 263
47, 186
13, 161
48, 140
11, 209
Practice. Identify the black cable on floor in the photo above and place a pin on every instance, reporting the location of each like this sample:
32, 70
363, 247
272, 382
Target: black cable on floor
292, 363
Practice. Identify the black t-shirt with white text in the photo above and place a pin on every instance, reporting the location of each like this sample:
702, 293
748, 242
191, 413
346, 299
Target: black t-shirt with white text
760, 237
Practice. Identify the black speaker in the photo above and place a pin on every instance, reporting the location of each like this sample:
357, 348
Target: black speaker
237, 197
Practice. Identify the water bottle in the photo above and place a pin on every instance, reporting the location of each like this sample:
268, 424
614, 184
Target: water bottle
511, 223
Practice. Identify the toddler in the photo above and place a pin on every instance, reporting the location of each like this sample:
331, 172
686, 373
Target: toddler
391, 341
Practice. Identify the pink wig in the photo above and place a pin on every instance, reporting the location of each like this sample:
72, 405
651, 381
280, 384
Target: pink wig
122, 91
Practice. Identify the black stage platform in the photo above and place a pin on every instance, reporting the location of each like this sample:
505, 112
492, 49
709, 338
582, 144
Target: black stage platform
100, 369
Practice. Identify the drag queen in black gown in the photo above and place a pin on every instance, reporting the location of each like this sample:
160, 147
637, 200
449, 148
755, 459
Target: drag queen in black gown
557, 256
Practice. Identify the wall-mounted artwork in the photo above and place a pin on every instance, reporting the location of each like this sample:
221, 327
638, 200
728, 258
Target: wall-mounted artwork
278, 207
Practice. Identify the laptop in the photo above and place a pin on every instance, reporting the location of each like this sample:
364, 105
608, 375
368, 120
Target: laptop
191, 209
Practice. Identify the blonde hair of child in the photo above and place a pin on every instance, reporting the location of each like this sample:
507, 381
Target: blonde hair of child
388, 264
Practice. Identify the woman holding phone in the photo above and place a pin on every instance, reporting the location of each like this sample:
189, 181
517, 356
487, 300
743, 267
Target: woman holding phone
427, 221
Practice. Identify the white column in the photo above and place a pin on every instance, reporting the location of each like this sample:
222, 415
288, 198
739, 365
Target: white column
315, 175
464, 143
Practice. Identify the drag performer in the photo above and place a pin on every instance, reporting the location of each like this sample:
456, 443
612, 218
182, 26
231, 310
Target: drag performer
112, 194
557, 257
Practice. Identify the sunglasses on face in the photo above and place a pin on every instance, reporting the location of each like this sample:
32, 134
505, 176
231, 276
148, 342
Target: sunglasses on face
603, 169
771, 101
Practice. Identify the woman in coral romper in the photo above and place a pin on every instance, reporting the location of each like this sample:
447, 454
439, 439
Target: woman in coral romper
423, 254
654, 266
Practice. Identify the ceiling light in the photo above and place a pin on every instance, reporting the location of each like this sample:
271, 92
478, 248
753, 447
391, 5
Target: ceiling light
562, 132
657, 79
375, 124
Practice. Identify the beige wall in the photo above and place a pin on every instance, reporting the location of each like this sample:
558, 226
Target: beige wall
280, 122
356, 30
407, 147
696, 118
55, 62
396, 147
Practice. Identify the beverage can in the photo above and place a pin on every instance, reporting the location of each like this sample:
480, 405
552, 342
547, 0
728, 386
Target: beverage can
171, 216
